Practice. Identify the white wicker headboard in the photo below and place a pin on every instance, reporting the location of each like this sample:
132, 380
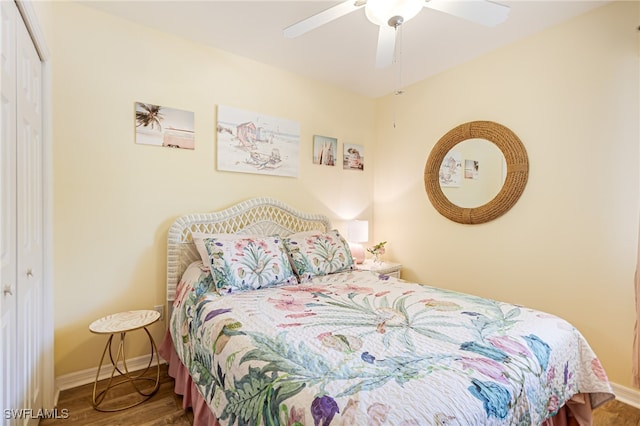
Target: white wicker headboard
257, 216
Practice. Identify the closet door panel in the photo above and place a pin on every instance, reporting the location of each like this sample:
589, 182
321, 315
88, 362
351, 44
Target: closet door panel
21, 220
29, 219
8, 290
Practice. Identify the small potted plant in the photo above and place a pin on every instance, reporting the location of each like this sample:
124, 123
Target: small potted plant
377, 251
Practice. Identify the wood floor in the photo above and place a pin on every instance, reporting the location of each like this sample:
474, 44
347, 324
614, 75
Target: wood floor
165, 408
615, 413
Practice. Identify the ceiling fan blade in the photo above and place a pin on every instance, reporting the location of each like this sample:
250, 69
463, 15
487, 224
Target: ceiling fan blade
322, 18
482, 12
386, 46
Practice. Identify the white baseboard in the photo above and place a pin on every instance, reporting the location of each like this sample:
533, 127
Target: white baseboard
83, 377
627, 395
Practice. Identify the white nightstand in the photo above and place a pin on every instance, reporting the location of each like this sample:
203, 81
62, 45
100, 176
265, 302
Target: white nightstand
387, 268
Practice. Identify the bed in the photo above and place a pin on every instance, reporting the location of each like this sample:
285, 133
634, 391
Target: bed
313, 341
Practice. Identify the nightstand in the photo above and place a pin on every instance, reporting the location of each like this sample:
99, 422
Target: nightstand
387, 268
123, 323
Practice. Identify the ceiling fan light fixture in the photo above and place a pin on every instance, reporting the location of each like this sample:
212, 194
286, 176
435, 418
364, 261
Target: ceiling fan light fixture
381, 12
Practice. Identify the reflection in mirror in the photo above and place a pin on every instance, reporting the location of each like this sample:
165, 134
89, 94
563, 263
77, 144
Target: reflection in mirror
472, 173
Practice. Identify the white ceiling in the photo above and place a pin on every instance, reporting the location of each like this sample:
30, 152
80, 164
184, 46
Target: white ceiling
342, 52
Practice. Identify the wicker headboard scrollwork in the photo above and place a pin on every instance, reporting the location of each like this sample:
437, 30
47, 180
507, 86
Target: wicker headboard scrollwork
257, 216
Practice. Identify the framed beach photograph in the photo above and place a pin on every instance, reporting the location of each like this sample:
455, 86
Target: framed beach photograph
163, 126
325, 150
353, 157
250, 142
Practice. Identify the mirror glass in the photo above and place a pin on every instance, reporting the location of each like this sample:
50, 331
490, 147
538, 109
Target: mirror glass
472, 173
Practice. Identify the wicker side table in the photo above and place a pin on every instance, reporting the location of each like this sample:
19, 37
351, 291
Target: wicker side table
123, 323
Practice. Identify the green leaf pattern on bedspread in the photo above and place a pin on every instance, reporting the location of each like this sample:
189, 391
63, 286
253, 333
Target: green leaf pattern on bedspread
357, 348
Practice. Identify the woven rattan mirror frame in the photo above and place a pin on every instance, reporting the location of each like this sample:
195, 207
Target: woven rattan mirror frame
514, 184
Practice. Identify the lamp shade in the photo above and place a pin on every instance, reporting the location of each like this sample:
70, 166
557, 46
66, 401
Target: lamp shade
380, 11
358, 231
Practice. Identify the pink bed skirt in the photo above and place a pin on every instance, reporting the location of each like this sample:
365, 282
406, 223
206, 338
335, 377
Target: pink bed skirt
202, 414
576, 412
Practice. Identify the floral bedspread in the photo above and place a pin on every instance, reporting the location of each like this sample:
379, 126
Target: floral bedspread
355, 348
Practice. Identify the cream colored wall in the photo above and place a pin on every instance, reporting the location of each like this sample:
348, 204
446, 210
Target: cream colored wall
569, 245
114, 200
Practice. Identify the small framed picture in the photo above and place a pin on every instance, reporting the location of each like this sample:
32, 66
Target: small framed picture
324, 150
353, 157
163, 126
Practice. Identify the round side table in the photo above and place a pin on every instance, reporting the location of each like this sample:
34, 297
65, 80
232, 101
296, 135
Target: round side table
123, 323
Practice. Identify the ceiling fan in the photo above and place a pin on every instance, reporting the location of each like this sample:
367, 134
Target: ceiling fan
390, 14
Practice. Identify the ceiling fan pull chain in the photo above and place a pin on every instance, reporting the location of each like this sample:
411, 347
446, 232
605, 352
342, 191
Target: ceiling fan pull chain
398, 63
398, 59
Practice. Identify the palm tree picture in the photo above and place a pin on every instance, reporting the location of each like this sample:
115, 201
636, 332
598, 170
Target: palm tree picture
162, 126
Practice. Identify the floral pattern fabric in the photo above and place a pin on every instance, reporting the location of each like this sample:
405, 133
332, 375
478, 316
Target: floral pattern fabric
314, 253
357, 348
248, 263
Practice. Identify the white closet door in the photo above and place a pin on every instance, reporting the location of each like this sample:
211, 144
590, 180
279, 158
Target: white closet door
8, 297
21, 221
29, 236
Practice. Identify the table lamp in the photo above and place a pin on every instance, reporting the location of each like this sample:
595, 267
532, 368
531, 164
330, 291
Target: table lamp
357, 233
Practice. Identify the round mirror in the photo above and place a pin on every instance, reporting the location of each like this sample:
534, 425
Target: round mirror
476, 172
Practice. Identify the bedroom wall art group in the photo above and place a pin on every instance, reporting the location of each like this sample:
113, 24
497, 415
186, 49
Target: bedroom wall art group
248, 142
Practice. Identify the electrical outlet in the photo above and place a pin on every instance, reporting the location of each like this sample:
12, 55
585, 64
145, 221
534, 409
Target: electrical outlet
160, 309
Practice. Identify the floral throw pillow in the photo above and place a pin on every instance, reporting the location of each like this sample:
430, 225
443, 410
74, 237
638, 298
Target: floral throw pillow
248, 263
317, 253
199, 237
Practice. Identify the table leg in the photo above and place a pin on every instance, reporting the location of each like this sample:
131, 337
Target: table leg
97, 398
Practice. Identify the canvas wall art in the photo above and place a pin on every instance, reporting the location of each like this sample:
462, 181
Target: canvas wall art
353, 157
162, 126
325, 150
250, 142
